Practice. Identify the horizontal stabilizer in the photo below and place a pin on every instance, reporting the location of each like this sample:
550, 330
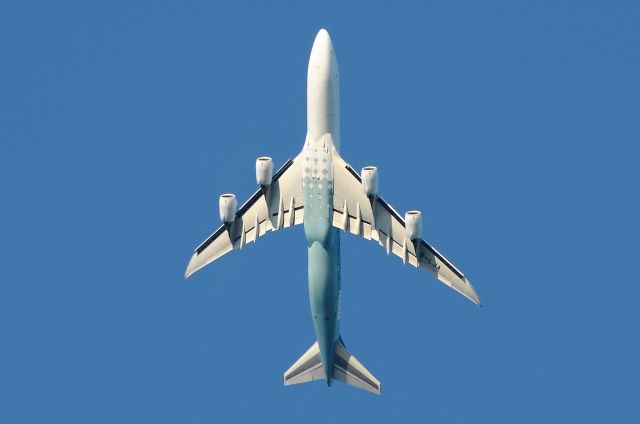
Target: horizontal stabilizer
349, 370
307, 368
346, 369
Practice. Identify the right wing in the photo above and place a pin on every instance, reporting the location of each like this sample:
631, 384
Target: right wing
375, 219
280, 206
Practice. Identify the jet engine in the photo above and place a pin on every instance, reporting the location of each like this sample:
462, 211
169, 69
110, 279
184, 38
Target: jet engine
228, 205
370, 181
264, 171
413, 224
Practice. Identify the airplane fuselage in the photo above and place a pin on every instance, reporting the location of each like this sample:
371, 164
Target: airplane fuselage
323, 240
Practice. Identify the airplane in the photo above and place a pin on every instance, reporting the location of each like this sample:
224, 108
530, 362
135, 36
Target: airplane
320, 190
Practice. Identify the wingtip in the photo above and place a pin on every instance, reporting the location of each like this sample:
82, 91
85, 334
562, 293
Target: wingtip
471, 293
476, 300
473, 296
190, 267
189, 272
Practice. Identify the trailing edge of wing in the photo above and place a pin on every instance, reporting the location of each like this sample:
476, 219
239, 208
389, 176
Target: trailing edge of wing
374, 218
281, 205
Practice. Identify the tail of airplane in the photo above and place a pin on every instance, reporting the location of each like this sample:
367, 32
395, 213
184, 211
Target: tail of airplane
346, 369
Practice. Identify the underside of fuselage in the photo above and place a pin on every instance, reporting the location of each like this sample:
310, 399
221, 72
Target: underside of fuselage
323, 240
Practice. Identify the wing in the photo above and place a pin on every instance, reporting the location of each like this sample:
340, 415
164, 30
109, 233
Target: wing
374, 218
279, 206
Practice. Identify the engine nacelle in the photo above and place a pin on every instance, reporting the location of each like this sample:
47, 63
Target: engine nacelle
370, 181
228, 205
264, 171
413, 224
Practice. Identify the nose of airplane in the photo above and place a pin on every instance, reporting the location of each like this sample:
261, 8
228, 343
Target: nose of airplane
322, 51
323, 94
322, 39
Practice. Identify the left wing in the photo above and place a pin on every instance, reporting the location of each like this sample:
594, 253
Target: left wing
373, 218
281, 205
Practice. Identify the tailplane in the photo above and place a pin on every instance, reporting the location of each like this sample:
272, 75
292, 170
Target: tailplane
346, 369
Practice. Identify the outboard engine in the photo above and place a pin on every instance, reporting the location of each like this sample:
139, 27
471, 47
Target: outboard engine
370, 181
264, 171
413, 224
228, 205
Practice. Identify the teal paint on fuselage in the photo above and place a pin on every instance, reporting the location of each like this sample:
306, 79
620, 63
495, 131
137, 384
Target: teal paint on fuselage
323, 241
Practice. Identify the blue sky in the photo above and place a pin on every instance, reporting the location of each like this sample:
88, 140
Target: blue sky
513, 126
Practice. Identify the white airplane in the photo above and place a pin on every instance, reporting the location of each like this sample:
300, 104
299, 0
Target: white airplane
320, 190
